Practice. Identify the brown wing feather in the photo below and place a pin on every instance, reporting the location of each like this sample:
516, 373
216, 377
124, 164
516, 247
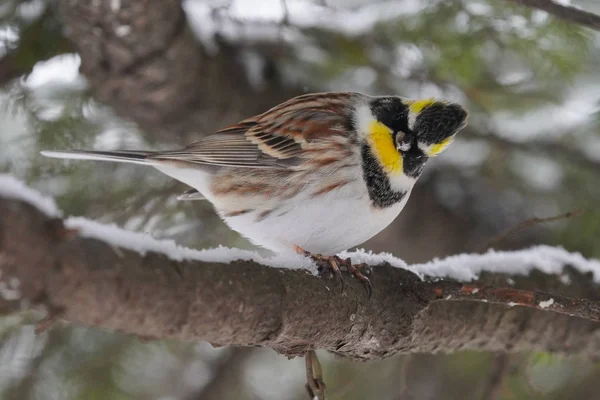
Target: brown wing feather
274, 139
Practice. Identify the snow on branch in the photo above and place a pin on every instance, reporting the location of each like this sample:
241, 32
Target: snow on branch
462, 267
100, 275
12, 188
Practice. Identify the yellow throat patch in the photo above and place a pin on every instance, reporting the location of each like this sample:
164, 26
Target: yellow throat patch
383, 146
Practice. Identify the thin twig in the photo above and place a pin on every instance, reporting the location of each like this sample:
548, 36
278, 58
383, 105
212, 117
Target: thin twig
518, 298
527, 224
564, 12
493, 386
404, 379
226, 374
286, 13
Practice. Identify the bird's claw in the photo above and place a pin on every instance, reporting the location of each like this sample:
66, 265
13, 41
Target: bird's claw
358, 272
333, 264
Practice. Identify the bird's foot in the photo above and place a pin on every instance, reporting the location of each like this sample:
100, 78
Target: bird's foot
334, 264
314, 376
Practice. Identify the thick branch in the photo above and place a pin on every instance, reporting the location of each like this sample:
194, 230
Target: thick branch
89, 282
143, 60
564, 12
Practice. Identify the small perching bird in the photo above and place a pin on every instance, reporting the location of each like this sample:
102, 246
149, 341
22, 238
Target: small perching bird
319, 173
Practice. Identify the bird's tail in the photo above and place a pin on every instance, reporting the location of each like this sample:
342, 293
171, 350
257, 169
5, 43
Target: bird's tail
125, 156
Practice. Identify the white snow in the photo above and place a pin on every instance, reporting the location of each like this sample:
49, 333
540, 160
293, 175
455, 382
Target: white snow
548, 259
8, 37
143, 243
266, 10
547, 303
49, 80
463, 267
9, 293
57, 72
363, 256
300, 13
12, 188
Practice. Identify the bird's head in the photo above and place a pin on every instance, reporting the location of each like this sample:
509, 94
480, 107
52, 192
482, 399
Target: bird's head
404, 133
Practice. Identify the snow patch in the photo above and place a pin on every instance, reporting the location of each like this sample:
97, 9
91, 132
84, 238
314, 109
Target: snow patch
467, 267
8, 293
55, 73
547, 303
368, 257
251, 19
12, 188
143, 243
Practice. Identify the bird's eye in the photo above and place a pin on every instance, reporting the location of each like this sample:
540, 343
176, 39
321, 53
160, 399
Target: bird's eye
401, 143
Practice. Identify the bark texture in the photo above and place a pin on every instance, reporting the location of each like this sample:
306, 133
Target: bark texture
143, 60
87, 281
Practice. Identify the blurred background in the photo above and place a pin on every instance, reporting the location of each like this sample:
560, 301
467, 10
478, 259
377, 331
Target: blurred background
531, 83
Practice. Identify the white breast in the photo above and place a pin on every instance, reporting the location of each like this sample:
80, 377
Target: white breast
337, 221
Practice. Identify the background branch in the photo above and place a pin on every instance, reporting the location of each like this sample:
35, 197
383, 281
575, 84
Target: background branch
227, 373
565, 12
143, 60
87, 281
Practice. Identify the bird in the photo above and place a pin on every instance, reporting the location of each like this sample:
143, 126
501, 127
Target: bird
317, 174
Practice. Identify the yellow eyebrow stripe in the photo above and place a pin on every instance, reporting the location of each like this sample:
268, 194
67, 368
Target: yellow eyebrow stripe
416, 106
436, 149
383, 146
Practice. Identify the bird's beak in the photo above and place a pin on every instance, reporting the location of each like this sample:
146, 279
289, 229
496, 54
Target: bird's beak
406, 143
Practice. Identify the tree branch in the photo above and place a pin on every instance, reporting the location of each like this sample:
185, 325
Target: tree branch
564, 12
143, 60
87, 281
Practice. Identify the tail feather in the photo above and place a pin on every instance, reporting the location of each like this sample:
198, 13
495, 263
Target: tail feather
125, 156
